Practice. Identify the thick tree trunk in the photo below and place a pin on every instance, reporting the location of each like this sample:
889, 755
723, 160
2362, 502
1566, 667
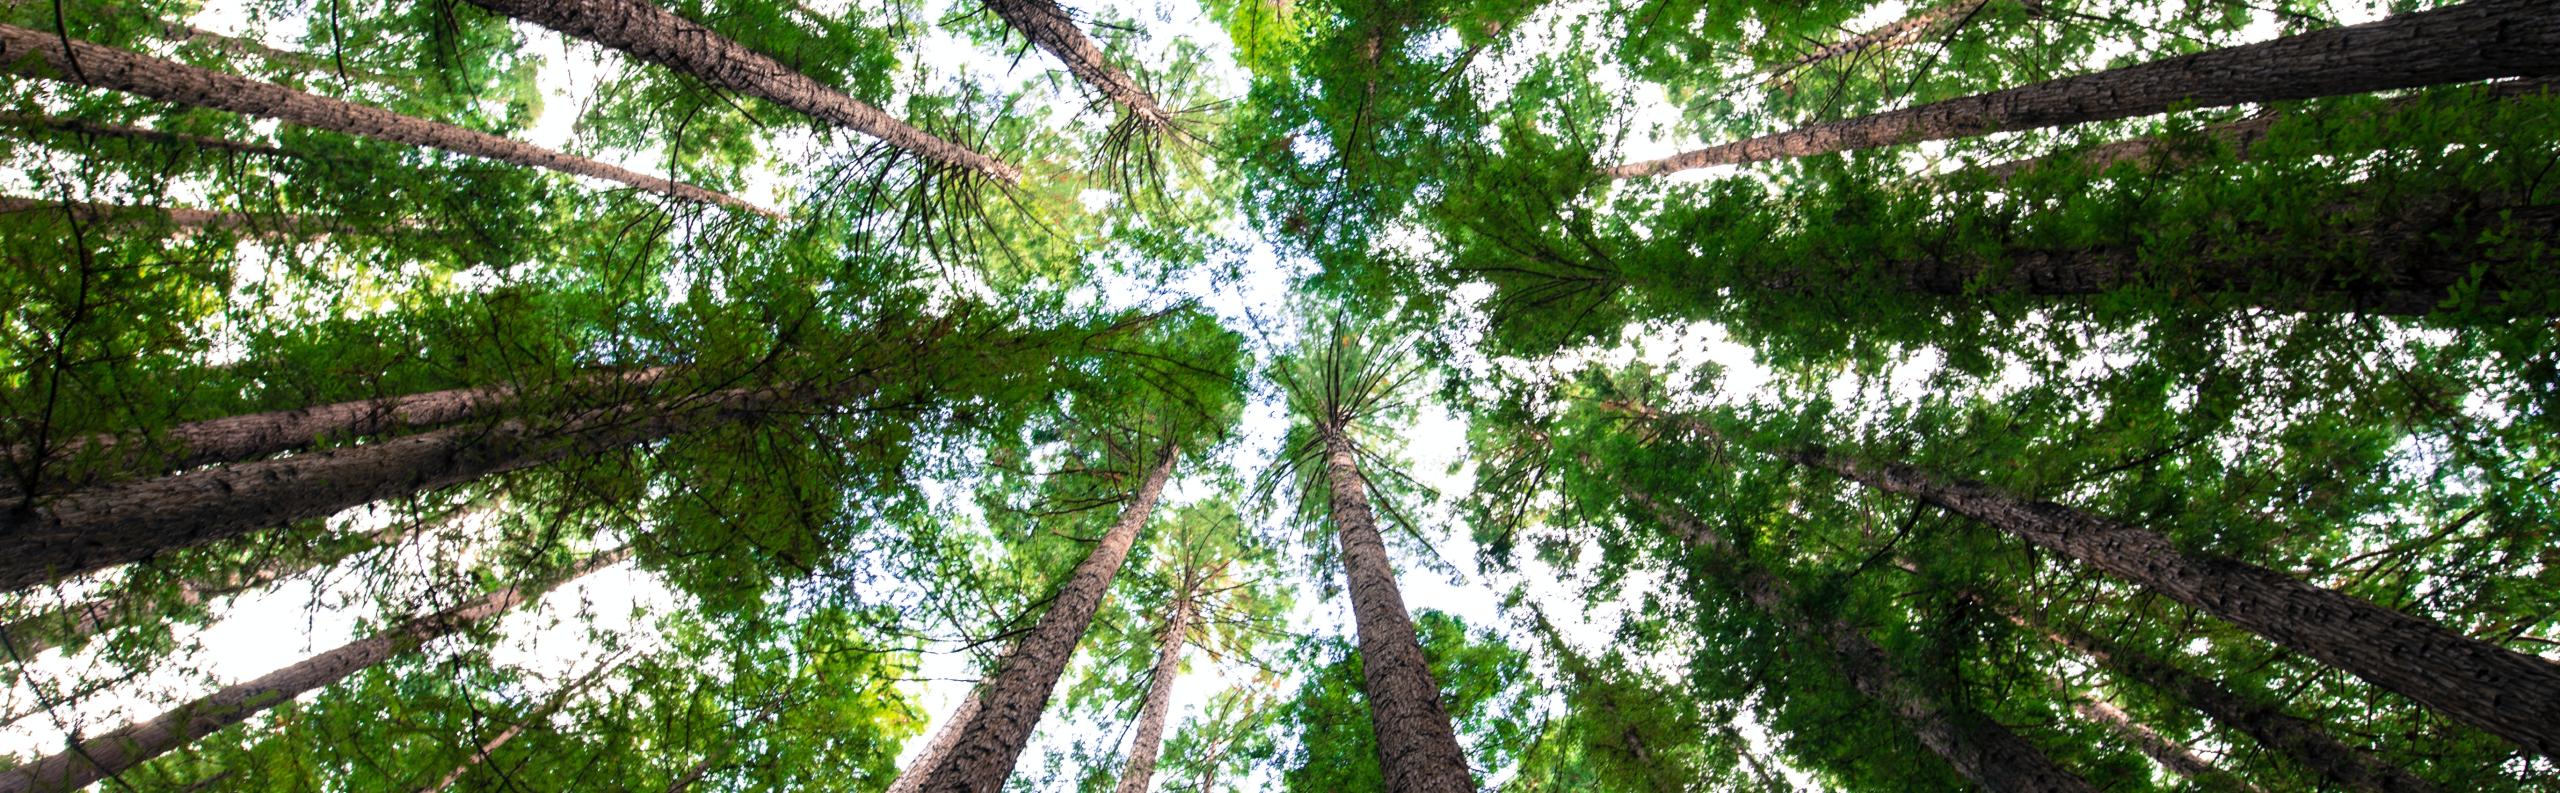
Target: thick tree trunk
1417, 746
911, 780
655, 35
94, 528
86, 128
2169, 754
255, 436
1047, 25
2504, 692
34, 54
491, 746
2478, 40
2287, 735
116, 752
1977, 748
1013, 702
1141, 767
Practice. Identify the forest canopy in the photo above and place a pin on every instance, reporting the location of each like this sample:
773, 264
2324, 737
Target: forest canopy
1310, 395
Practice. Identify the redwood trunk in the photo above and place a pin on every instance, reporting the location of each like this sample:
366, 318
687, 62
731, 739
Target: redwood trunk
1894, 35
95, 528
1417, 746
1978, 749
87, 128
35, 54
119, 751
912, 779
1047, 25
1012, 703
2169, 754
2504, 692
655, 35
2478, 40
1141, 768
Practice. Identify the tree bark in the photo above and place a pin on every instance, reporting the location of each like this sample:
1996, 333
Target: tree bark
94, 528
43, 55
911, 780
184, 219
655, 35
1417, 746
2477, 40
116, 752
2169, 754
1013, 702
1047, 25
86, 128
1899, 33
1141, 767
2501, 691
255, 436
492, 745
1979, 749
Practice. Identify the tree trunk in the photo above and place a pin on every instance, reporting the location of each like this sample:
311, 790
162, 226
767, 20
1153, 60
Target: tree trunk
2504, 692
254, 436
911, 780
1979, 749
2287, 735
94, 528
1417, 746
1013, 702
1047, 25
33, 54
185, 220
491, 746
1141, 767
2478, 40
119, 751
655, 35
1900, 33
86, 128
2169, 754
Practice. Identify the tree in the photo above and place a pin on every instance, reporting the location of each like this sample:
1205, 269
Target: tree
1046, 24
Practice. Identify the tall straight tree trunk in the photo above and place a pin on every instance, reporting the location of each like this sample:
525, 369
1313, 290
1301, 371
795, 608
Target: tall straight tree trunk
1012, 704
935, 750
87, 128
1417, 746
1978, 748
254, 436
655, 35
496, 742
1141, 767
2504, 692
94, 528
184, 219
2169, 754
44, 55
2478, 40
116, 752
1046, 24
1896, 34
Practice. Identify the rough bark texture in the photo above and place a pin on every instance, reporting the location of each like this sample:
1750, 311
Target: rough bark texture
1977, 748
1047, 25
2257, 716
256, 436
1013, 702
1141, 767
94, 528
912, 779
2502, 691
86, 128
115, 752
34, 54
655, 35
2478, 40
1417, 746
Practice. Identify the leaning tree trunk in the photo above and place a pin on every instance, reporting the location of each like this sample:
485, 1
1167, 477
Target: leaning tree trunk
45, 55
94, 528
655, 35
2507, 693
1012, 703
1141, 767
1896, 34
1047, 25
2169, 754
505, 736
254, 436
1417, 746
81, 127
116, 752
2478, 40
1979, 749
911, 780
185, 220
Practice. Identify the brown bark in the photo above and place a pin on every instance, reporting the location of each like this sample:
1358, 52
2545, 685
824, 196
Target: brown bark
655, 35
44, 55
86, 128
1047, 25
254, 436
94, 528
1979, 749
491, 746
2169, 754
2501, 691
181, 218
911, 780
2478, 40
1900, 33
1013, 702
1141, 767
114, 753
1417, 746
